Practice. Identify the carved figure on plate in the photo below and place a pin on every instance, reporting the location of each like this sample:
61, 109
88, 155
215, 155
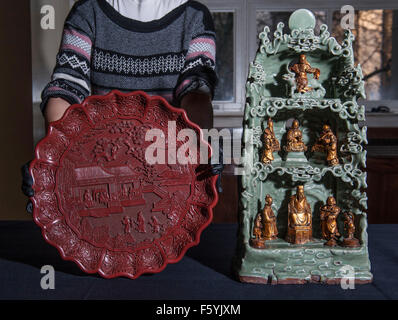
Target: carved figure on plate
88, 199
155, 224
140, 223
127, 224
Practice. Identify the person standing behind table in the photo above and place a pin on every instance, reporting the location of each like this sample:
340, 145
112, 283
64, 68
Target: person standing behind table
164, 48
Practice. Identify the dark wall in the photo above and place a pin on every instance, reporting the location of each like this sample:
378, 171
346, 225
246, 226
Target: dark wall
16, 144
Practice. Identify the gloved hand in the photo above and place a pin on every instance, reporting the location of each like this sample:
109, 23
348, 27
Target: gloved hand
206, 170
27, 183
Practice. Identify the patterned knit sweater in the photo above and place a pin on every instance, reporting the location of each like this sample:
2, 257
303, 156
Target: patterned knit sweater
102, 50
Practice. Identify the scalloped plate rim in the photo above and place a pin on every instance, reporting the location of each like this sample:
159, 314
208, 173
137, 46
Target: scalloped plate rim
98, 270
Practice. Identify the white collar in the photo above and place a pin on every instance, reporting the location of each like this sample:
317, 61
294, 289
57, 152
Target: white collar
145, 10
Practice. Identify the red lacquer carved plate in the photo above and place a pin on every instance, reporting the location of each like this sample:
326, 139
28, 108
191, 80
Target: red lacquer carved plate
99, 200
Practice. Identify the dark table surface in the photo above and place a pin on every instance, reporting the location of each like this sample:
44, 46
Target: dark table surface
204, 272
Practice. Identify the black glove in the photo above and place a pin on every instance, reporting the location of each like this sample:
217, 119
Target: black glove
27, 183
206, 170
218, 168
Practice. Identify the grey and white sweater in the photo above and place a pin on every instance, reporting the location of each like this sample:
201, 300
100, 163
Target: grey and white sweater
102, 50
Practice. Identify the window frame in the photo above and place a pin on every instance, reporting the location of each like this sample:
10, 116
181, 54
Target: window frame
238, 7
245, 41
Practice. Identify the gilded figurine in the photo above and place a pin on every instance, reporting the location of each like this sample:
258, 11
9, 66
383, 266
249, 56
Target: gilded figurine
299, 218
264, 225
268, 218
275, 142
258, 241
328, 215
327, 143
295, 139
349, 227
271, 144
301, 69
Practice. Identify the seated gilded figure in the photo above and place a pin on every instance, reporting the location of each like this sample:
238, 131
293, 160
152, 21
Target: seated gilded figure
328, 215
299, 229
270, 143
295, 139
264, 225
327, 143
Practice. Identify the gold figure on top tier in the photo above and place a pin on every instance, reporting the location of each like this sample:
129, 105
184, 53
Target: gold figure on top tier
328, 215
301, 69
264, 225
271, 144
327, 142
295, 139
299, 229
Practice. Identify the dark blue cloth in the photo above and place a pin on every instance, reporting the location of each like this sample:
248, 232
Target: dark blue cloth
204, 272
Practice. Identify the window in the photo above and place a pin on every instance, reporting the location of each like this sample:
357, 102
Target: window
373, 48
230, 24
272, 18
376, 34
45, 44
224, 25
